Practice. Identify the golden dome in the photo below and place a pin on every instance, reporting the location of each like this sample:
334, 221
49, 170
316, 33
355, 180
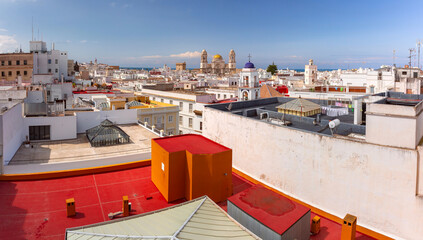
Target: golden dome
217, 56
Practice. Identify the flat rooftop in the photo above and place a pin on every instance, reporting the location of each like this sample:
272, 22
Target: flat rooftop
254, 108
36, 209
193, 143
80, 148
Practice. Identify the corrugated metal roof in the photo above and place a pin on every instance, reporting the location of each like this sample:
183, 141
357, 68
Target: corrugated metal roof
299, 105
200, 218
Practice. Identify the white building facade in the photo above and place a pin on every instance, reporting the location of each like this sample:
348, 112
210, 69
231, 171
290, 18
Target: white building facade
53, 62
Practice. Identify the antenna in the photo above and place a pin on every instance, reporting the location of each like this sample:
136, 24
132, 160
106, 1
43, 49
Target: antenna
393, 58
410, 57
249, 57
32, 28
419, 43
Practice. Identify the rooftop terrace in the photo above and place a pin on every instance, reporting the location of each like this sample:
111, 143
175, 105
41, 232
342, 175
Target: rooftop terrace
36, 209
256, 109
80, 149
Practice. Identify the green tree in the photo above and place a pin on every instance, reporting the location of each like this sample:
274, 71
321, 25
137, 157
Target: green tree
272, 68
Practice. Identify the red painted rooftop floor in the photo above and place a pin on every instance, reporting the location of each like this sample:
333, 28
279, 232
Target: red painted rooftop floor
36, 209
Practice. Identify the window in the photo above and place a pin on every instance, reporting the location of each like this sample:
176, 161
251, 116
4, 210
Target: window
49, 70
39, 132
162, 100
415, 74
180, 132
10, 73
18, 73
180, 120
49, 61
18, 62
154, 98
25, 62
190, 107
232, 96
159, 120
170, 132
56, 61
190, 122
201, 126
171, 101
25, 73
404, 73
170, 119
57, 70
224, 96
218, 96
3, 74
181, 106
9, 63
2, 63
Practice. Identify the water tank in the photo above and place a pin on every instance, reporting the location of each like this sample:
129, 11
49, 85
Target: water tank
334, 123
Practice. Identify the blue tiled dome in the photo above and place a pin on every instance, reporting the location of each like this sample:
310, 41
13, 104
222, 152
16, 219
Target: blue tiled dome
249, 65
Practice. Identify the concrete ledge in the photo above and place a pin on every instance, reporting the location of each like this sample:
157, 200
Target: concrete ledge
74, 172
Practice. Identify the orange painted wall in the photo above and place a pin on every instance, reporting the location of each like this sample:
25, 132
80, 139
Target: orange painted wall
209, 174
159, 177
191, 175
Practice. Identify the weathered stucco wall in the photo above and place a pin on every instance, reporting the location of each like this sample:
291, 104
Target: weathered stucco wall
375, 183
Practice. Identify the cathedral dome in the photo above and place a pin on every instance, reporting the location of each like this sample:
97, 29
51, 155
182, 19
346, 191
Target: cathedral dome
217, 56
249, 65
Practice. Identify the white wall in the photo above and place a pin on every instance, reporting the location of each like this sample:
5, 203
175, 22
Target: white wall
86, 120
373, 182
12, 132
60, 127
60, 166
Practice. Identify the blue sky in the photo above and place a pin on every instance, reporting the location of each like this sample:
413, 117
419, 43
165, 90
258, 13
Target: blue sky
336, 34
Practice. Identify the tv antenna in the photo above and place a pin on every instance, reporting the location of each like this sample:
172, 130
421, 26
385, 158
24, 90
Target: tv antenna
393, 58
412, 50
418, 44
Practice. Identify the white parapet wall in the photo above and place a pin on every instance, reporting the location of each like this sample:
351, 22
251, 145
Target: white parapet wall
12, 129
373, 182
71, 165
87, 120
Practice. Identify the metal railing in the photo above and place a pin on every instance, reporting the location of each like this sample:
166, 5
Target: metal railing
154, 129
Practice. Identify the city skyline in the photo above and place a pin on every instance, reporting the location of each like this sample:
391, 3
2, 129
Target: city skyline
152, 33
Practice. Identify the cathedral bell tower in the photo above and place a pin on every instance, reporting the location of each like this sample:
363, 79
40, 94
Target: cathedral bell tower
203, 64
232, 62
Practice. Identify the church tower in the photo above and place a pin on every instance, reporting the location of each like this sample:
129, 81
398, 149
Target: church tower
232, 62
249, 88
203, 64
310, 73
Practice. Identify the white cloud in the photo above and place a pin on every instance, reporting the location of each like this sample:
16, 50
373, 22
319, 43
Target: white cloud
3, 30
8, 43
187, 54
83, 41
